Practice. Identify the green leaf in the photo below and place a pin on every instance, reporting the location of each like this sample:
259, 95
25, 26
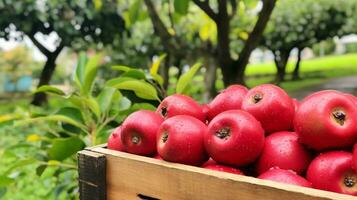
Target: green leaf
49, 89
18, 164
156, 64
3, 191
124, 104
80, 70
63, 148
116, 81
98, 4
40, 169
9, 117
143, 106
121, 68
159, 79
135, 74
93, 106
134, 11
5, 181
55, 118
142, 89
186, 78
181, 6
72, 113
90, 73
105, 98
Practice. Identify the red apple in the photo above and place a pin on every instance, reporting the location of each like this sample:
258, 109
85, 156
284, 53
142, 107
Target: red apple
211, 164
229, 99
352, 97
333, 171
180, 139
285, 176
139, 132
114, 141
157, 156
326, 120
354, 159
283, 150
271, 106
235, 138
205, 109
296, 103
179, 104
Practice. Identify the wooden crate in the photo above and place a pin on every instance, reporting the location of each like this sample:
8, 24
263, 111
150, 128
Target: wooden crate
108, 174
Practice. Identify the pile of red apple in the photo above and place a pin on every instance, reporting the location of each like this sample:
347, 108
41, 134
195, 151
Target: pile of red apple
261, 132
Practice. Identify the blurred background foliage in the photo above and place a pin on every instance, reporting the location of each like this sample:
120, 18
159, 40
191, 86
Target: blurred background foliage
55, 100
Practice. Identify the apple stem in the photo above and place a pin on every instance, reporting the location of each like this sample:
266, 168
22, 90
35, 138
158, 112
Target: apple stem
257, 98
164, 138
349, 181
224, 133
164, 111
340, 116
135, 139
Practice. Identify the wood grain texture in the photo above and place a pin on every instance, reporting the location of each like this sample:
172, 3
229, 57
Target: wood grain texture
130, 175
92, 175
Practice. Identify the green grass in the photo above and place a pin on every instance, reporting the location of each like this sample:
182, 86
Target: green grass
327, 63
313, 72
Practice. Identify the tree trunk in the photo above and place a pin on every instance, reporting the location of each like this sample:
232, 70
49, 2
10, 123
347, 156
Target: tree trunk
253, 40
281, 60
210, 80
45, 77
164, 71
296, 75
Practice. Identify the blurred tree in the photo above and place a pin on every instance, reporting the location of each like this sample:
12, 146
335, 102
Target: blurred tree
76, 24
300, 25
221, 15
16, 61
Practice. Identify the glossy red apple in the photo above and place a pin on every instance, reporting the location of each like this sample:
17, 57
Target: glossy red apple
284, 176
354, 158
157, 156
211, 164
180, 140
114, 140
205, 109
283, 150
179, 104
296, 103
271, 106
139, 131
235, 138
326, 120
333, 171
229, 99
352, 97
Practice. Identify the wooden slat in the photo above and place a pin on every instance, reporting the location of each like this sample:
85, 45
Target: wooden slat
92, 175
129, 176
